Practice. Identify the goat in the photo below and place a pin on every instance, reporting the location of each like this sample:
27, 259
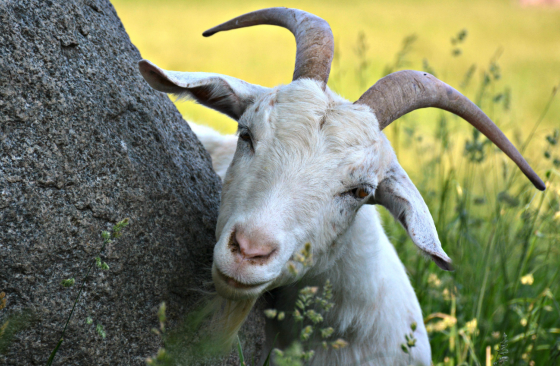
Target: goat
308, 167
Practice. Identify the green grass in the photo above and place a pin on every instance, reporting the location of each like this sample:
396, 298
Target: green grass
501, 232
503, 236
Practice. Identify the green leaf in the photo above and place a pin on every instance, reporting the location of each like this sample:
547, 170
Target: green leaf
161, 312
101, 331
53, 353
327, 332
68, 283
101, 264
240, 352
306, 333
267, 360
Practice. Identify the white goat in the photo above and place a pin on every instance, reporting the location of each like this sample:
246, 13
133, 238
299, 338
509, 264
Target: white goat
307, 167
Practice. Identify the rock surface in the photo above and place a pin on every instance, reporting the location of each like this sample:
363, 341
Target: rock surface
84, 143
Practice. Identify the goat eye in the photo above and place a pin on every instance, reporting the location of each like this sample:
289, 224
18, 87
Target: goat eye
359, 193
246, 137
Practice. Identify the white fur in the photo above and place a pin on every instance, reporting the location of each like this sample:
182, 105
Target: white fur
221, 147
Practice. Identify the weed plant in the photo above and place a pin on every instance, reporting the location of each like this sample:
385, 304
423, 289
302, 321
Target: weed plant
108, 237
309, 309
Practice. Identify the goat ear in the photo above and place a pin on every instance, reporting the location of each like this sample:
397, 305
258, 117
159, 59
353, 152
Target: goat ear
397, 193
223, 93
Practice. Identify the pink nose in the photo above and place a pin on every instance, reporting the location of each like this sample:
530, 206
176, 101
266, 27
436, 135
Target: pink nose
255, 246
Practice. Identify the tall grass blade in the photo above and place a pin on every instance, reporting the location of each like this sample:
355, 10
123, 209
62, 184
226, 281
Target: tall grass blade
240, 352
53, 353
267, 360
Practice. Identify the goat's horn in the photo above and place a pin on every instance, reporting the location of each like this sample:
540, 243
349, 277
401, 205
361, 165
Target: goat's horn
405, 91
314, 39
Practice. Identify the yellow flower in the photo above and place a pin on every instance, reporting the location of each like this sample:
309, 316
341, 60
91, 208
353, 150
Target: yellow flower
523, 322
471, 326
339, 343
527, 279
433, 280
292, 268
447, 322
270, 313
557, 216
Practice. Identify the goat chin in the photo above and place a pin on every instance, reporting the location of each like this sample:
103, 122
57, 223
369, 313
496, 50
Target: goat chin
229, 316
240, 292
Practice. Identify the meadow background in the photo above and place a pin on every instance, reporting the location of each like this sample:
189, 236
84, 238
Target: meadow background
502, 234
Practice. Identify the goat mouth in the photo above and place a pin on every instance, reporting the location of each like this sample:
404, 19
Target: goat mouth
236, 284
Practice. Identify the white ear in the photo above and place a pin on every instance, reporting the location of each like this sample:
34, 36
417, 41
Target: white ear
397, 193
223, 93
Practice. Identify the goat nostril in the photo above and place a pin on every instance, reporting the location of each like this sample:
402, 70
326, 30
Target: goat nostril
260, 256
233, 244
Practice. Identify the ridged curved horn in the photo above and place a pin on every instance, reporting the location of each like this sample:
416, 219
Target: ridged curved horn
404, 91
314, 39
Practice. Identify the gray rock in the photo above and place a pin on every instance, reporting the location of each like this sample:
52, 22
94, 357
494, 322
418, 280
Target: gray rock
85, 142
